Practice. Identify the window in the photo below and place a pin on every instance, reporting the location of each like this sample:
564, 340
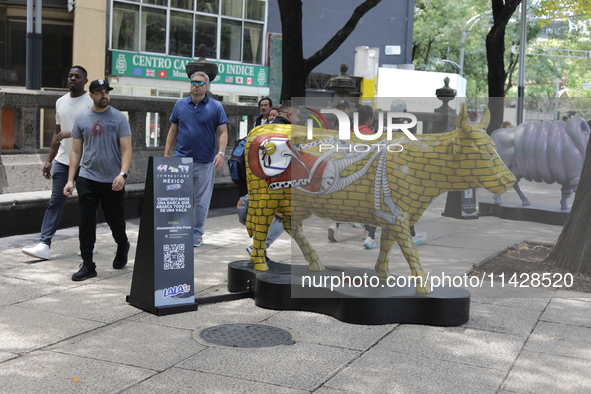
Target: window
156, 2
180, 39
253, 42
206, 32
153, 37
125, 26
230, 29
56, 46
211, 6
255, 10
232, 8
231, 39
183, 4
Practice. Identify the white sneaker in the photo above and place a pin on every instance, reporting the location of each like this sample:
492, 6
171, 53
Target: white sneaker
333, 232
93, 251
419, 238
41, 251
357, 225
370, 243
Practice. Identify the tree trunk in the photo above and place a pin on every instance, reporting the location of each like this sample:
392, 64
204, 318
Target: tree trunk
295, 68
292, 61
495, 57
573, 249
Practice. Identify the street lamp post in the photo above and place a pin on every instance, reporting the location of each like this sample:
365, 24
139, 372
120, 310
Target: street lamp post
452, 63
521, 71
33, 59
471, 22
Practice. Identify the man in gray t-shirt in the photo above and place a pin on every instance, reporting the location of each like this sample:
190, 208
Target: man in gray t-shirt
102, 146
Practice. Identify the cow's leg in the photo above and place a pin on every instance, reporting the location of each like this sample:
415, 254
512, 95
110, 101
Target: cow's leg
296, 231
259, 229
566, 192
497, 199
382, 265
521, 194
401, 233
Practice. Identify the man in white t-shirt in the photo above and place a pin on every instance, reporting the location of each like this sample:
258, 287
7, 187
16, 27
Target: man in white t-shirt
67, 108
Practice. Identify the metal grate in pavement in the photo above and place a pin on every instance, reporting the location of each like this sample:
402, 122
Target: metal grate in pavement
246, 335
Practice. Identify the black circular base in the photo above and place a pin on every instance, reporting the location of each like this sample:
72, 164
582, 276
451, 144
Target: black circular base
538, 213
354, 301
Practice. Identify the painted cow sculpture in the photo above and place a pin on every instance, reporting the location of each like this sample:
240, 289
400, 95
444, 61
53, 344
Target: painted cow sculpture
545, 152
389, 183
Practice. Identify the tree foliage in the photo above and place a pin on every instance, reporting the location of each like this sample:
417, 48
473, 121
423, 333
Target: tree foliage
563, 24
437, 35
437, 32
562, 9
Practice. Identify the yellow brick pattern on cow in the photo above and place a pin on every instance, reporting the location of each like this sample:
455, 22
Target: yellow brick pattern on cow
413, 178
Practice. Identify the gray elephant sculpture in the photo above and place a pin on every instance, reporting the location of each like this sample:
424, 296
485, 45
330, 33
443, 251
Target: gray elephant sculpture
548, 151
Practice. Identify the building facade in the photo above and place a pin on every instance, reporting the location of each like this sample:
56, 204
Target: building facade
142, 46
150, 41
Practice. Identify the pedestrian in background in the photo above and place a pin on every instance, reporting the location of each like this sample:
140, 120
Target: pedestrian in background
67, 108
102, 147
265, 105
273, 112
195, 121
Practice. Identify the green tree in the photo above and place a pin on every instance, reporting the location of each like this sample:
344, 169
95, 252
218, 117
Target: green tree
573, 248
437, 32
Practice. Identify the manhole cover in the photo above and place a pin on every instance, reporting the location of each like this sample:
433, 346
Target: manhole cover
246, 335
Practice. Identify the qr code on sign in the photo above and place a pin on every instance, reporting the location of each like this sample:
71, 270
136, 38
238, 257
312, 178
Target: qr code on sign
174, 256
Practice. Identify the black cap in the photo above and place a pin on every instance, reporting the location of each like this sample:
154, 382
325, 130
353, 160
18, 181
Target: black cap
99, 84
343, 103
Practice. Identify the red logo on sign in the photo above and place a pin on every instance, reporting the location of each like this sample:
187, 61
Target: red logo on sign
162, 73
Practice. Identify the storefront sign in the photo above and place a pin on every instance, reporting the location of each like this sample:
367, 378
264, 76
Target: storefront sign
162, 67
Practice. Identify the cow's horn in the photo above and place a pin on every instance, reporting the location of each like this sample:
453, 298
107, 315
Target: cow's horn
485, 119
462, 120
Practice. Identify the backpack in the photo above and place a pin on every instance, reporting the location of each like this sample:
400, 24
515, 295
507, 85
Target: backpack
237, 163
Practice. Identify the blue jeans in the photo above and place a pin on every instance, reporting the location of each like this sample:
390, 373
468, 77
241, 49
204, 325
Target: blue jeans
275, 230
203, 177
90, 194
53, 214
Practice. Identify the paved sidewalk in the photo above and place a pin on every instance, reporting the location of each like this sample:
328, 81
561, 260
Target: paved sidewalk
60, 336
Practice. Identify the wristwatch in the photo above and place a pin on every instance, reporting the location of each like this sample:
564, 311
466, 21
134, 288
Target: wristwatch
222, 153
124, 175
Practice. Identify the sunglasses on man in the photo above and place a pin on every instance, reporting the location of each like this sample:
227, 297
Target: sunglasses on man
200, 83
